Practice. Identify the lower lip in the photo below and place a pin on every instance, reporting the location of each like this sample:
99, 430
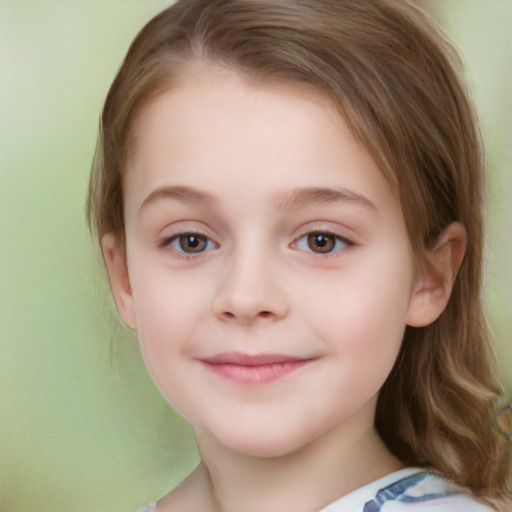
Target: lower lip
260, 374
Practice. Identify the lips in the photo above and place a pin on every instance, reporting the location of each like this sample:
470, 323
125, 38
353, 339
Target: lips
253, 369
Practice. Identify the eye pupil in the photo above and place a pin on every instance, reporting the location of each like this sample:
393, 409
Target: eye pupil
321, 242
192, 243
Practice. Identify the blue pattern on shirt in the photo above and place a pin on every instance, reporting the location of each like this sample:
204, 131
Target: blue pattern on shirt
397, 492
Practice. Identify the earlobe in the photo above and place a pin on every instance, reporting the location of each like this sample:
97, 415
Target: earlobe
435, 280
114, 255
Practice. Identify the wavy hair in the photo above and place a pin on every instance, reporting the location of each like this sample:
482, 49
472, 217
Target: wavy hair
397, 82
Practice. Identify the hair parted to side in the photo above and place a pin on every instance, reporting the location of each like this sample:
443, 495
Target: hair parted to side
397, 82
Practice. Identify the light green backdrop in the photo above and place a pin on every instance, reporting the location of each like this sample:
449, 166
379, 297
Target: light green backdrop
82, 429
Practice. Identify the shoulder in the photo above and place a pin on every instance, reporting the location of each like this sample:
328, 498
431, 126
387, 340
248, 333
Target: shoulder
409, 490
425, 492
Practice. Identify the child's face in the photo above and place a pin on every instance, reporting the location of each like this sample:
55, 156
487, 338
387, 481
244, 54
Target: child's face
270, 274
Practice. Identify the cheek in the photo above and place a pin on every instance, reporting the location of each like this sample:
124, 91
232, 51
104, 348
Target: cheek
361, 314
166, 312
166, 317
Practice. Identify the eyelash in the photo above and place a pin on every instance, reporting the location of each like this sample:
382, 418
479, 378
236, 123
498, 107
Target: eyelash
298, 244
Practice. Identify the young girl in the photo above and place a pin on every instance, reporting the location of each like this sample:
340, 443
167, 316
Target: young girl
288, 196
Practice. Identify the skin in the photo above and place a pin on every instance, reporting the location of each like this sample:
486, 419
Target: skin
298, 249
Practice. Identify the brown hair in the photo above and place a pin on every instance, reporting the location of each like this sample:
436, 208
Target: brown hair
397, 82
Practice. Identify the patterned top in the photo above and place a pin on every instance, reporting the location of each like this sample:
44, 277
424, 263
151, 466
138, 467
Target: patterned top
406, 490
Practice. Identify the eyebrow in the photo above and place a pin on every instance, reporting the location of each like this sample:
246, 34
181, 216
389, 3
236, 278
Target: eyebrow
321, 195
297, 199
179, 193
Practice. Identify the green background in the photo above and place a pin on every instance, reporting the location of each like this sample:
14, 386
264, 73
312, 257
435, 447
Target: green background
82, 427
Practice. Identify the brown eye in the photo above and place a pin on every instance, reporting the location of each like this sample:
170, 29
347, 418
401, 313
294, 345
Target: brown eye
321, 242
190, 243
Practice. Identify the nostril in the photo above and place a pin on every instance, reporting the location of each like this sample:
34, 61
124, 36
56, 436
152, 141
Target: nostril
229, 315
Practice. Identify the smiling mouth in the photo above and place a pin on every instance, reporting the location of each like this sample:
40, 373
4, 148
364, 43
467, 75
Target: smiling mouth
253, 369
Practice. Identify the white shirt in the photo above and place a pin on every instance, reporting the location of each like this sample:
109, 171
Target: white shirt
406, 490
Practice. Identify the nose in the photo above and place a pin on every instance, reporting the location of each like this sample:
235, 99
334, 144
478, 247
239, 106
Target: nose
250, 291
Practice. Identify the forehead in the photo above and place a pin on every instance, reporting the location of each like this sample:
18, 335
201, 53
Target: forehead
201, 91
215, 127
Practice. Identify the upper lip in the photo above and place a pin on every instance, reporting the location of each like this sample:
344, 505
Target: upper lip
241, 359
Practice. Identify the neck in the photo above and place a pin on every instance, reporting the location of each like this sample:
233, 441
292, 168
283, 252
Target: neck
310, 478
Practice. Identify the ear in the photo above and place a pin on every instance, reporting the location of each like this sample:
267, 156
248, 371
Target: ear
434, 283
114, 254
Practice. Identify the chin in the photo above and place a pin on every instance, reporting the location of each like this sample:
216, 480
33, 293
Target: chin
266, 440
262, 448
